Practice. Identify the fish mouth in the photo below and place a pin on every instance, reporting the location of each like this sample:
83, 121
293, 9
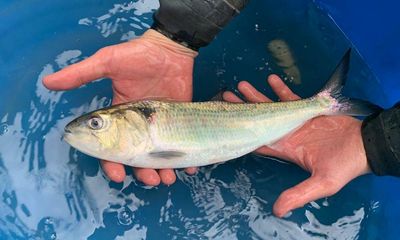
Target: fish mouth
67, 130
67, 134
66, 137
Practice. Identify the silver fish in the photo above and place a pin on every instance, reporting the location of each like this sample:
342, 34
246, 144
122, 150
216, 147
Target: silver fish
154, 134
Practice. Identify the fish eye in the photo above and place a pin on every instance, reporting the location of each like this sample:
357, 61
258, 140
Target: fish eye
95, 123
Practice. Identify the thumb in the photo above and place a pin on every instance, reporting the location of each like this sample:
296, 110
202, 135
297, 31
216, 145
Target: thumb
307, 191
80, 73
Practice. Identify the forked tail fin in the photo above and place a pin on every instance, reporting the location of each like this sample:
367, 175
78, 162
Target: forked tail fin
339, 104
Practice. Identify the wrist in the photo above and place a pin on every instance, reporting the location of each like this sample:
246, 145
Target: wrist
365, 168
161, 40
381, 136
195, 24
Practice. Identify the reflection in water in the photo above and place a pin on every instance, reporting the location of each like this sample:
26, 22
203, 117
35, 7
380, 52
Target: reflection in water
284, 58
235, 209
63, 192
121, 15
344, 228
10, 222
50, 191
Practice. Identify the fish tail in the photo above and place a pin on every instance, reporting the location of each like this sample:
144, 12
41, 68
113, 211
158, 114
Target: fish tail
331, 94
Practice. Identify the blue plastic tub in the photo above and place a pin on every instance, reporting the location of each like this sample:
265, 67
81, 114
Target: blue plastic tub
50, 191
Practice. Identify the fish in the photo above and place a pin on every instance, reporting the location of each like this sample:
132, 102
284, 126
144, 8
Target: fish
162, 134
283, 56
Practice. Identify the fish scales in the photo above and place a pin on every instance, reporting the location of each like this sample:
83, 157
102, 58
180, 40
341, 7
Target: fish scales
154, 134
215, 131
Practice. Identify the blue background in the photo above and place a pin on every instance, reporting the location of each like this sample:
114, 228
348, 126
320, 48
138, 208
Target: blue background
374, 27
48, 190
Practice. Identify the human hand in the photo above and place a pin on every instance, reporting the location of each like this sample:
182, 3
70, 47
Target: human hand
151, 66
329, 147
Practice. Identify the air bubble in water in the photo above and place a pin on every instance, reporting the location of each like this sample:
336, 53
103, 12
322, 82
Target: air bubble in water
3, 129
125, 216
46, 229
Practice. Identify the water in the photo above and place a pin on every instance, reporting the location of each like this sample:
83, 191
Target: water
50, 191
381, 50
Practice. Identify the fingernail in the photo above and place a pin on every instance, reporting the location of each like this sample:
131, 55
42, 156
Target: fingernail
116, 176
288, 214
274, 79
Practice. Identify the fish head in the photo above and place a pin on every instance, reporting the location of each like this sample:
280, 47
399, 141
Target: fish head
109, 134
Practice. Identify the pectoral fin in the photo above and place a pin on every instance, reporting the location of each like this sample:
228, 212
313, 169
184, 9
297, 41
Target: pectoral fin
167, 154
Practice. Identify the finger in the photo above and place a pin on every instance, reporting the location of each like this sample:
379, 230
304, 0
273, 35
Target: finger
252, 94
147, 176
309, 190
167, 176
281, 89
114, 171
191, 170
80, 73
231, 97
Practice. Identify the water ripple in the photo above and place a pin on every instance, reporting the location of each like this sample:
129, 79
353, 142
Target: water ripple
119, 19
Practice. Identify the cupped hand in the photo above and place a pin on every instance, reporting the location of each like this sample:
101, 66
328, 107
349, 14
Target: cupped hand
329, 147
151, 66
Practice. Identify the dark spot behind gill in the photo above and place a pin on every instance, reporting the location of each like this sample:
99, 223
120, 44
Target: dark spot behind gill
147, 111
